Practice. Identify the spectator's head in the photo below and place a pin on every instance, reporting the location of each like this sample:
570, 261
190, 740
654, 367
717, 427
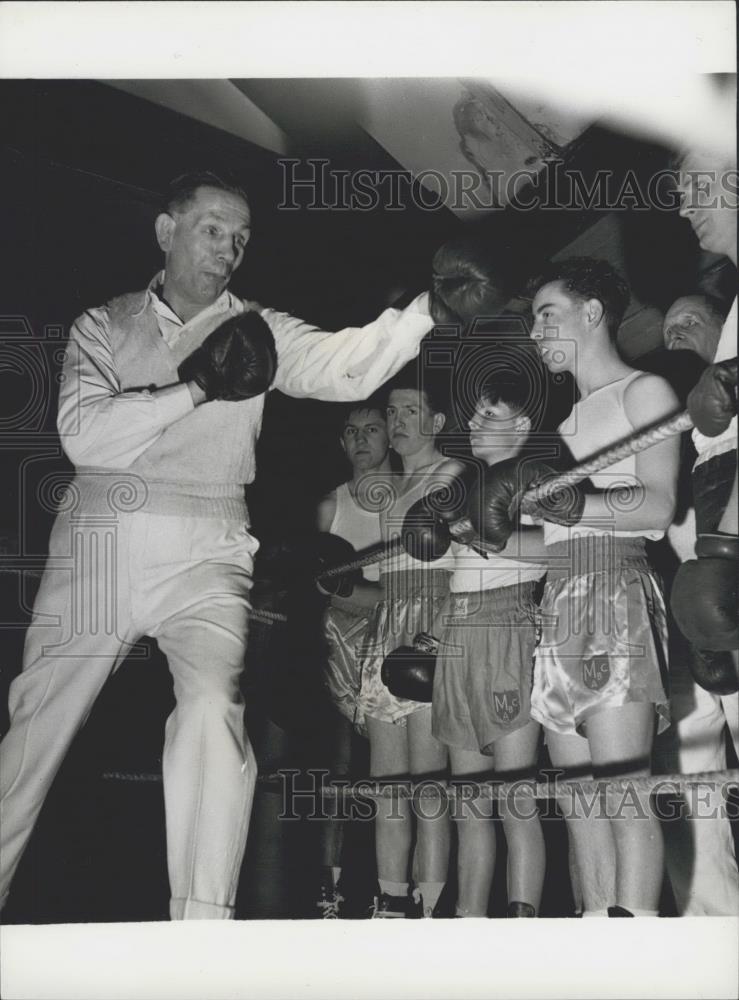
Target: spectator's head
708, 199
693, 323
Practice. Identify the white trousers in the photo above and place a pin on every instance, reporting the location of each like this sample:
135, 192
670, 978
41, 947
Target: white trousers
185, 582
699, 849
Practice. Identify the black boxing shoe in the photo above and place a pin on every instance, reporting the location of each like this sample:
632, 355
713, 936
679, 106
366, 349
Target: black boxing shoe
387, 906
329, 902
516, 909
619, 911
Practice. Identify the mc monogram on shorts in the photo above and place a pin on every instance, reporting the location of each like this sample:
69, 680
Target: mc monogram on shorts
595, 672
507, 705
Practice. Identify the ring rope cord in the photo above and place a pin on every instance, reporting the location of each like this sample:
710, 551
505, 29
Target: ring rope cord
631, 445
378, 789
256, 614
366, 557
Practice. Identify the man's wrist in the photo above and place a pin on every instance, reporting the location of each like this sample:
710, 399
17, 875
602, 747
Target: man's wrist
198, 394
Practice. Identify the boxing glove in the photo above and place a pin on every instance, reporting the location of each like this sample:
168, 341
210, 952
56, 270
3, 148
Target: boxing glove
704, 594
712, 402
714, 670
408, 672
329, 550
469, 282
439, 516
495, 504
238, 360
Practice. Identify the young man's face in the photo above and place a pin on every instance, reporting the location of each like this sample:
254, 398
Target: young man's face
708, 200
558, 326
497, 431
690, 325
204, 243
411, 423
365, 439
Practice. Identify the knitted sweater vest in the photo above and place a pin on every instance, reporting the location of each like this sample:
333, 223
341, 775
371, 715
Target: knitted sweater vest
199, 465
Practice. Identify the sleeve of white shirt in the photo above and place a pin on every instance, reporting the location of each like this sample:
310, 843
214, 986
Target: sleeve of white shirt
351, 364
99, 425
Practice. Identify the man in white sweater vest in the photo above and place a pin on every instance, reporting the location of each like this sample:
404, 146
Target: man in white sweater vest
152, 535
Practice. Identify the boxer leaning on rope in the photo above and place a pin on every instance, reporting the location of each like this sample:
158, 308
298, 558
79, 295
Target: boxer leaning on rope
163, 395
600, 674
486, 632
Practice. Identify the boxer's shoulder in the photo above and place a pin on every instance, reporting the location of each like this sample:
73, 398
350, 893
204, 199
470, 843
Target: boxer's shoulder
127, 304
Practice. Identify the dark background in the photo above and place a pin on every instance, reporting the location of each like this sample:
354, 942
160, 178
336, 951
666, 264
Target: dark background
83, 169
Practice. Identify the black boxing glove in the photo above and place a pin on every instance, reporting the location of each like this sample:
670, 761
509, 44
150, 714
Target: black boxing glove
238, 360
712, 402
408, 672
467, 283
437, 518
704, 594
714, 670
329, 550
495, 505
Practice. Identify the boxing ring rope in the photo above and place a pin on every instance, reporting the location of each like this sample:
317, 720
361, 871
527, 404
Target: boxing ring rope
631, 445
369, 788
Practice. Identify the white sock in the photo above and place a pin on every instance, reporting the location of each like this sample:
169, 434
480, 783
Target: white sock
393, 888
335, 874
595, 913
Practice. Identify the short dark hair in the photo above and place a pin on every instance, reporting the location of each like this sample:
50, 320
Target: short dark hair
419, 378
512, 389
588, 278
375, 402
182, 189
716, 307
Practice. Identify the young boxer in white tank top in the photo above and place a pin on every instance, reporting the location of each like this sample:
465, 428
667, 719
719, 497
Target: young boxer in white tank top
600, 671
399, 730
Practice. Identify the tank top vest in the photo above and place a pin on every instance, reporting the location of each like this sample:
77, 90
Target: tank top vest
359, 526
472, 572
596, 422
415, 486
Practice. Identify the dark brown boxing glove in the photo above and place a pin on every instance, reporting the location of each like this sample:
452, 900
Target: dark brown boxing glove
712, 403
408, 672
237, 361
704, 594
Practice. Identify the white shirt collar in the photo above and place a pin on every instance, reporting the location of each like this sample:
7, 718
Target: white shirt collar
224, 303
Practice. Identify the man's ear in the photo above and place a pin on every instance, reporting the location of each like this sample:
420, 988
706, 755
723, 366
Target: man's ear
439, 421
164, 228
594, 311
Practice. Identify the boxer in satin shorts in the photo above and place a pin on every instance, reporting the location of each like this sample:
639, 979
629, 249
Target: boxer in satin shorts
604, 635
